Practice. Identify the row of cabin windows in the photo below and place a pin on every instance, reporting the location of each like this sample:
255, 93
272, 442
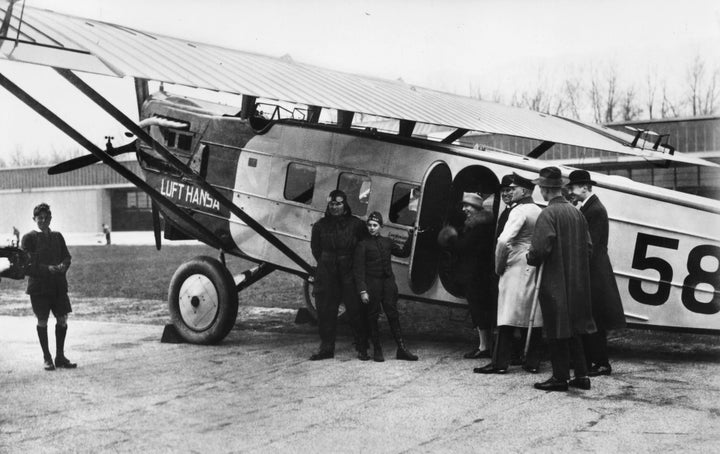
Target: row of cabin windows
300, 187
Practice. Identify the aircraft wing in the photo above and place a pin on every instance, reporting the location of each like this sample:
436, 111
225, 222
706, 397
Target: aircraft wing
52, 39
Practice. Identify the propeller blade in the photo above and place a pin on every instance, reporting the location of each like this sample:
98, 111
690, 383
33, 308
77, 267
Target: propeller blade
156, 225
83, 161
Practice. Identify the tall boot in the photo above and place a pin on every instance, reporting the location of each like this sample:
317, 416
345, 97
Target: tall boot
377, 346
402, 351
60, 360
47, 357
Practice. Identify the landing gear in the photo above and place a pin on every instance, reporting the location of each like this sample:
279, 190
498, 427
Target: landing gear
203, 301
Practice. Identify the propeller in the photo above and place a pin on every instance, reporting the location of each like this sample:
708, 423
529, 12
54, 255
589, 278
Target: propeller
86, 160
82, 161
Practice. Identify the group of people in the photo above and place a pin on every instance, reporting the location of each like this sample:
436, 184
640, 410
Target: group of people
556, 256
354, 266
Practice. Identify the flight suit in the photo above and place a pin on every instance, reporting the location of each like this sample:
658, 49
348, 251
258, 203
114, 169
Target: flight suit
333, 243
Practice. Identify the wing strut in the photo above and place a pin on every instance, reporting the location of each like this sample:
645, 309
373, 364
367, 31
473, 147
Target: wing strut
106, 158
141, 134
540, 149
455, 135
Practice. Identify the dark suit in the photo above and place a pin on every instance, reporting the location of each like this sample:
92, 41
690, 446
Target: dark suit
502, 220
606, 304
561, 242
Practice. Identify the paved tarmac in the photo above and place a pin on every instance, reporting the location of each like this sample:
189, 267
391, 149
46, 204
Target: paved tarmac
256, 392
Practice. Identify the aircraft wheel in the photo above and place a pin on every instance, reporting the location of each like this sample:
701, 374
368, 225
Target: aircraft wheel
203, 301
312, 307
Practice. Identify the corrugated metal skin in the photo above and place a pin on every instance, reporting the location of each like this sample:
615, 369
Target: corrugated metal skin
130, 52
37, 177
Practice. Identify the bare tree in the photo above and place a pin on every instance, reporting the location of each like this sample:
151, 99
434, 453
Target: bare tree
702, 91
596, 99
668, 109
572, 93
629, 110
611, 100
537, 100
650, 90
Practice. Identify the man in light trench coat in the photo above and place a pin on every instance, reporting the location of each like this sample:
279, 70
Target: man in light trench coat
561, 244
516, 289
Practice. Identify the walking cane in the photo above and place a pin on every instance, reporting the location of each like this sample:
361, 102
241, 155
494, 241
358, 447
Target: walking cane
536, 299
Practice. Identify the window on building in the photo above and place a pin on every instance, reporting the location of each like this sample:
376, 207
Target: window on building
131, 200
137, 200
404, 204
357, 187
300, 183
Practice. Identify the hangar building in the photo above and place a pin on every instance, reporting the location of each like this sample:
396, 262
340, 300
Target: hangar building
81, 200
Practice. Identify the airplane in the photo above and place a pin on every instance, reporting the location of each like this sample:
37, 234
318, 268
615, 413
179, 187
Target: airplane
251, 180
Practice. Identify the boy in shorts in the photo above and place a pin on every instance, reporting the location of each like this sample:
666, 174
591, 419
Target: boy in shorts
47, 285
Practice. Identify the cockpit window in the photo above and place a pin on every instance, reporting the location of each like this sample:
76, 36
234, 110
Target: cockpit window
178, 140
357, 187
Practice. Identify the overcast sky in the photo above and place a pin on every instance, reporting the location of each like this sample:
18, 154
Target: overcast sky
461, 46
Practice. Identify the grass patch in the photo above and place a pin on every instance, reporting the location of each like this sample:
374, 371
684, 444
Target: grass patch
143, 273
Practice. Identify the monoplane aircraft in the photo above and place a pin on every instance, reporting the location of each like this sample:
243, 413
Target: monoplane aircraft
250, 181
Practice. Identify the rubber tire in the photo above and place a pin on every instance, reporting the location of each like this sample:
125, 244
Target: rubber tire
227, 310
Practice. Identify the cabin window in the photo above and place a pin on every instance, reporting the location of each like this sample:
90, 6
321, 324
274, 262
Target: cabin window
300, 183
357, 188
404, 204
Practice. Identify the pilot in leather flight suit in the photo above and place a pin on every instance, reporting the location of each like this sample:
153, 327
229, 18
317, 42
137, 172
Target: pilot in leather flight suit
333, 242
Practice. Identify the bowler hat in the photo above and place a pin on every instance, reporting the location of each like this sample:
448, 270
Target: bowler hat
580, 177
506, 181
472, 198
517, 180
550, 177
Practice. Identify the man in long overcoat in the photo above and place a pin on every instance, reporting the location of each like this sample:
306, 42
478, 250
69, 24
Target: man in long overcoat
561, 244
606, 303
516, 290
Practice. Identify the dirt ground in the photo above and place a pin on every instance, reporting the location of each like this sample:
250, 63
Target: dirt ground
256, 391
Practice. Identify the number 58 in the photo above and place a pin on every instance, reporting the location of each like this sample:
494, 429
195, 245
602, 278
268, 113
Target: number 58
696, 275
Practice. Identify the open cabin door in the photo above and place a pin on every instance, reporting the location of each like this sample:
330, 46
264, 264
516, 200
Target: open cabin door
431, 212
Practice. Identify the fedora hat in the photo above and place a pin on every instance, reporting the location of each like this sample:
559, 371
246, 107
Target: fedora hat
522, 182
550, 177
506, 181
580, 177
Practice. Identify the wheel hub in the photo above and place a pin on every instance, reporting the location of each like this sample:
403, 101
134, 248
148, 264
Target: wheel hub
198, 302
